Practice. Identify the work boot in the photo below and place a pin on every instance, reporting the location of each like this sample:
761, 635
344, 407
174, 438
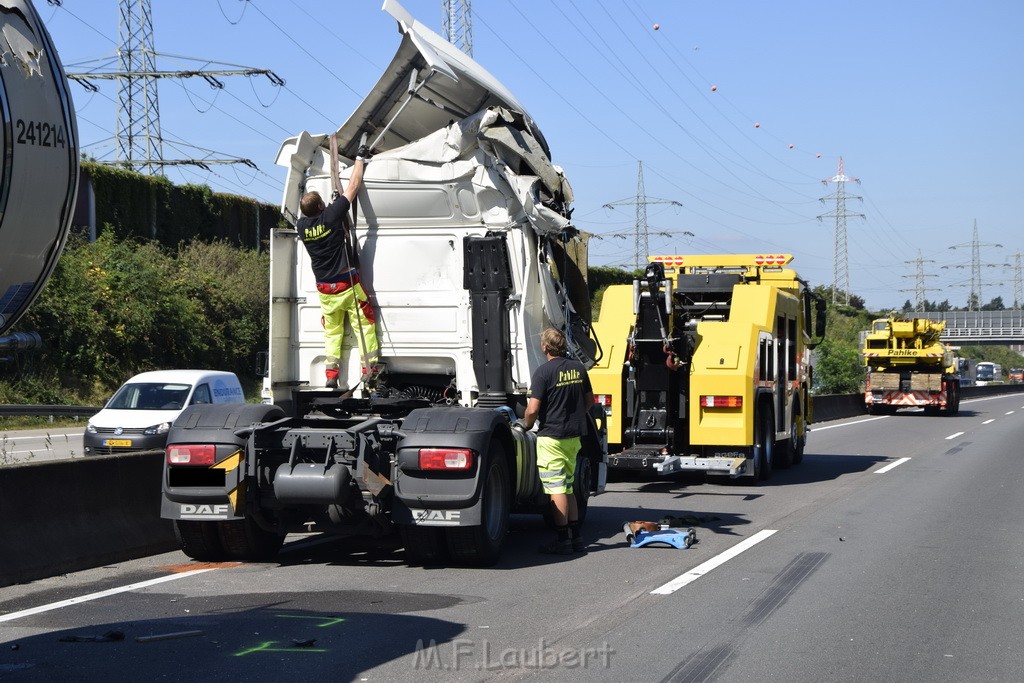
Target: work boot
332, 383
578, 544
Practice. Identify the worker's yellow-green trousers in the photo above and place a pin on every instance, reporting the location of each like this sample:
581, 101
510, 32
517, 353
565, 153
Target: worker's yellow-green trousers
348, 307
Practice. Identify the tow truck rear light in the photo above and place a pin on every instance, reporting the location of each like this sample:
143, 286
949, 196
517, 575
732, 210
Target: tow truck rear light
205, 454
721, 401
446, 458
603, 399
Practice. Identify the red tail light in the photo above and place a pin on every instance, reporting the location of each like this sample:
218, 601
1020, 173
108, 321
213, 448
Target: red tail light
205, 454
446, 458
721, 401
603, 400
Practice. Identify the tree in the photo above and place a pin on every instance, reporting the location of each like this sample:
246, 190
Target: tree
907, 306
837, 368
995, 305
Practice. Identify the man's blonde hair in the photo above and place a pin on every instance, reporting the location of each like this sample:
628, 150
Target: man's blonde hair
311, 203
553, 342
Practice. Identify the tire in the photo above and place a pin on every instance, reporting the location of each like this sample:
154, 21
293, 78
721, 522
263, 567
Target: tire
953, 399
481, 545
801, 443
423, 544
764, 445
244, 540
199, 540
786, 449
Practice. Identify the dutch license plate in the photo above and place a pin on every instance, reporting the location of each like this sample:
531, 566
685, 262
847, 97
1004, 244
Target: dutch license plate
117, 442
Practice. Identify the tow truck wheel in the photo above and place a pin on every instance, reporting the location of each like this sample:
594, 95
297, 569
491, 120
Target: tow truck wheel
243, 539
481, 545
199, 540
764, 445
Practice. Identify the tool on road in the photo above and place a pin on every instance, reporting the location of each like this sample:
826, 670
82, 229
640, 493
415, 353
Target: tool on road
640, 534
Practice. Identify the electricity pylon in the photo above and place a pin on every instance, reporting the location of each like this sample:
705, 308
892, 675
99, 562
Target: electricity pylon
974, 301
919, 276
840, 261
458, 24
139, 136
640, 247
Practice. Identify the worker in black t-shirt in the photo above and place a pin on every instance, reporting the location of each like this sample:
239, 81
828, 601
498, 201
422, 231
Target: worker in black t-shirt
322, 230
560, 396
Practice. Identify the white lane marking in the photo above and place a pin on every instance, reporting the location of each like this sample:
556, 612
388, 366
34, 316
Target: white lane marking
102, 594
702, 569
1011, 412
891, 465
988, 421
51, 437
847, 424
953, 436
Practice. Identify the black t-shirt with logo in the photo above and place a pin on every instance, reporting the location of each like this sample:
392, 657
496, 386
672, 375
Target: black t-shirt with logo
324, 237
560, 385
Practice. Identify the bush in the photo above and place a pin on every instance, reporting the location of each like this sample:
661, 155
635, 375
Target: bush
114, 308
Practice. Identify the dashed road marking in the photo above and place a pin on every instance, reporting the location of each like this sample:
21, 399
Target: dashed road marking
702, 569
988, 421
847, 424
891, 465
1011, 412
953, 436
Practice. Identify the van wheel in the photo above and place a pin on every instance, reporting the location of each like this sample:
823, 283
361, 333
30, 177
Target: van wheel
199, 540
481, 545
243, 539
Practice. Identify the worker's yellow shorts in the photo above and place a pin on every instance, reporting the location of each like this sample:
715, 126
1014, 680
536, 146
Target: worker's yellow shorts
556, 462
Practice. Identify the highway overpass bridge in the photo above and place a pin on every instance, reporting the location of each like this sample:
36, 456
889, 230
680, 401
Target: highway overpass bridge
981, 327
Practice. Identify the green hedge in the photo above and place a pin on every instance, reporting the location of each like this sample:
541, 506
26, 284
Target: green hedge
132, 205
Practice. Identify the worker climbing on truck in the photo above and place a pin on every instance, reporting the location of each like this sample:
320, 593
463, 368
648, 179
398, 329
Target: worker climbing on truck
323, 230
560, 396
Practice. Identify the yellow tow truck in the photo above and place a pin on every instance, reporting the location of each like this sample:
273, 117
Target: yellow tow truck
707, 365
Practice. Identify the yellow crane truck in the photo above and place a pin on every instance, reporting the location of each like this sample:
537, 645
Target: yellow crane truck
706, 365
908, 367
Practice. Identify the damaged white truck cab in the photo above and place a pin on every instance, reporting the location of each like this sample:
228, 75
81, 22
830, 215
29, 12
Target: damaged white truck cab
467, 251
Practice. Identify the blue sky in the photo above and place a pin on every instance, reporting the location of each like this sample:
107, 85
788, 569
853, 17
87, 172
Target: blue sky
922, 100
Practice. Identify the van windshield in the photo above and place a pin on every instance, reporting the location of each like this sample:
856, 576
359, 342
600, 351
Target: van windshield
150, 396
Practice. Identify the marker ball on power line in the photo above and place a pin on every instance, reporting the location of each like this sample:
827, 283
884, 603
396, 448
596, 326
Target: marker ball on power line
714, 88
657, 26
817, 156
791, 145
757, 125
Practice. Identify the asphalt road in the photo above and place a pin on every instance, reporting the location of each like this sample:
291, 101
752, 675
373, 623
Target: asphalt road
892, 553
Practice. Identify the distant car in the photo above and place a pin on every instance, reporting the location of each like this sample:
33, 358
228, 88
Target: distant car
1016, 376
139, 414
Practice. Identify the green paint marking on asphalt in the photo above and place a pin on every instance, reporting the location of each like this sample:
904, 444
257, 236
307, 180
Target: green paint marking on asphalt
331, 621
267, 646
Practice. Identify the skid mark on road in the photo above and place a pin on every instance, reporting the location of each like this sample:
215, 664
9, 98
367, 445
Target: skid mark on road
709, 664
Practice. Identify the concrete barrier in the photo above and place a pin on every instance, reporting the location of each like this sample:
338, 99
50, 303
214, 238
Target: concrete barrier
63, 516
837, 406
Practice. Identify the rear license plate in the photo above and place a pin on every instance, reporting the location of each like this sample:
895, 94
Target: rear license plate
117, 442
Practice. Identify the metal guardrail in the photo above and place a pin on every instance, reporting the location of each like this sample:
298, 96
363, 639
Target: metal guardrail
44, 411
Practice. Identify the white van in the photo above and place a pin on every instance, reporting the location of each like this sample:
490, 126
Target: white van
138, 416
